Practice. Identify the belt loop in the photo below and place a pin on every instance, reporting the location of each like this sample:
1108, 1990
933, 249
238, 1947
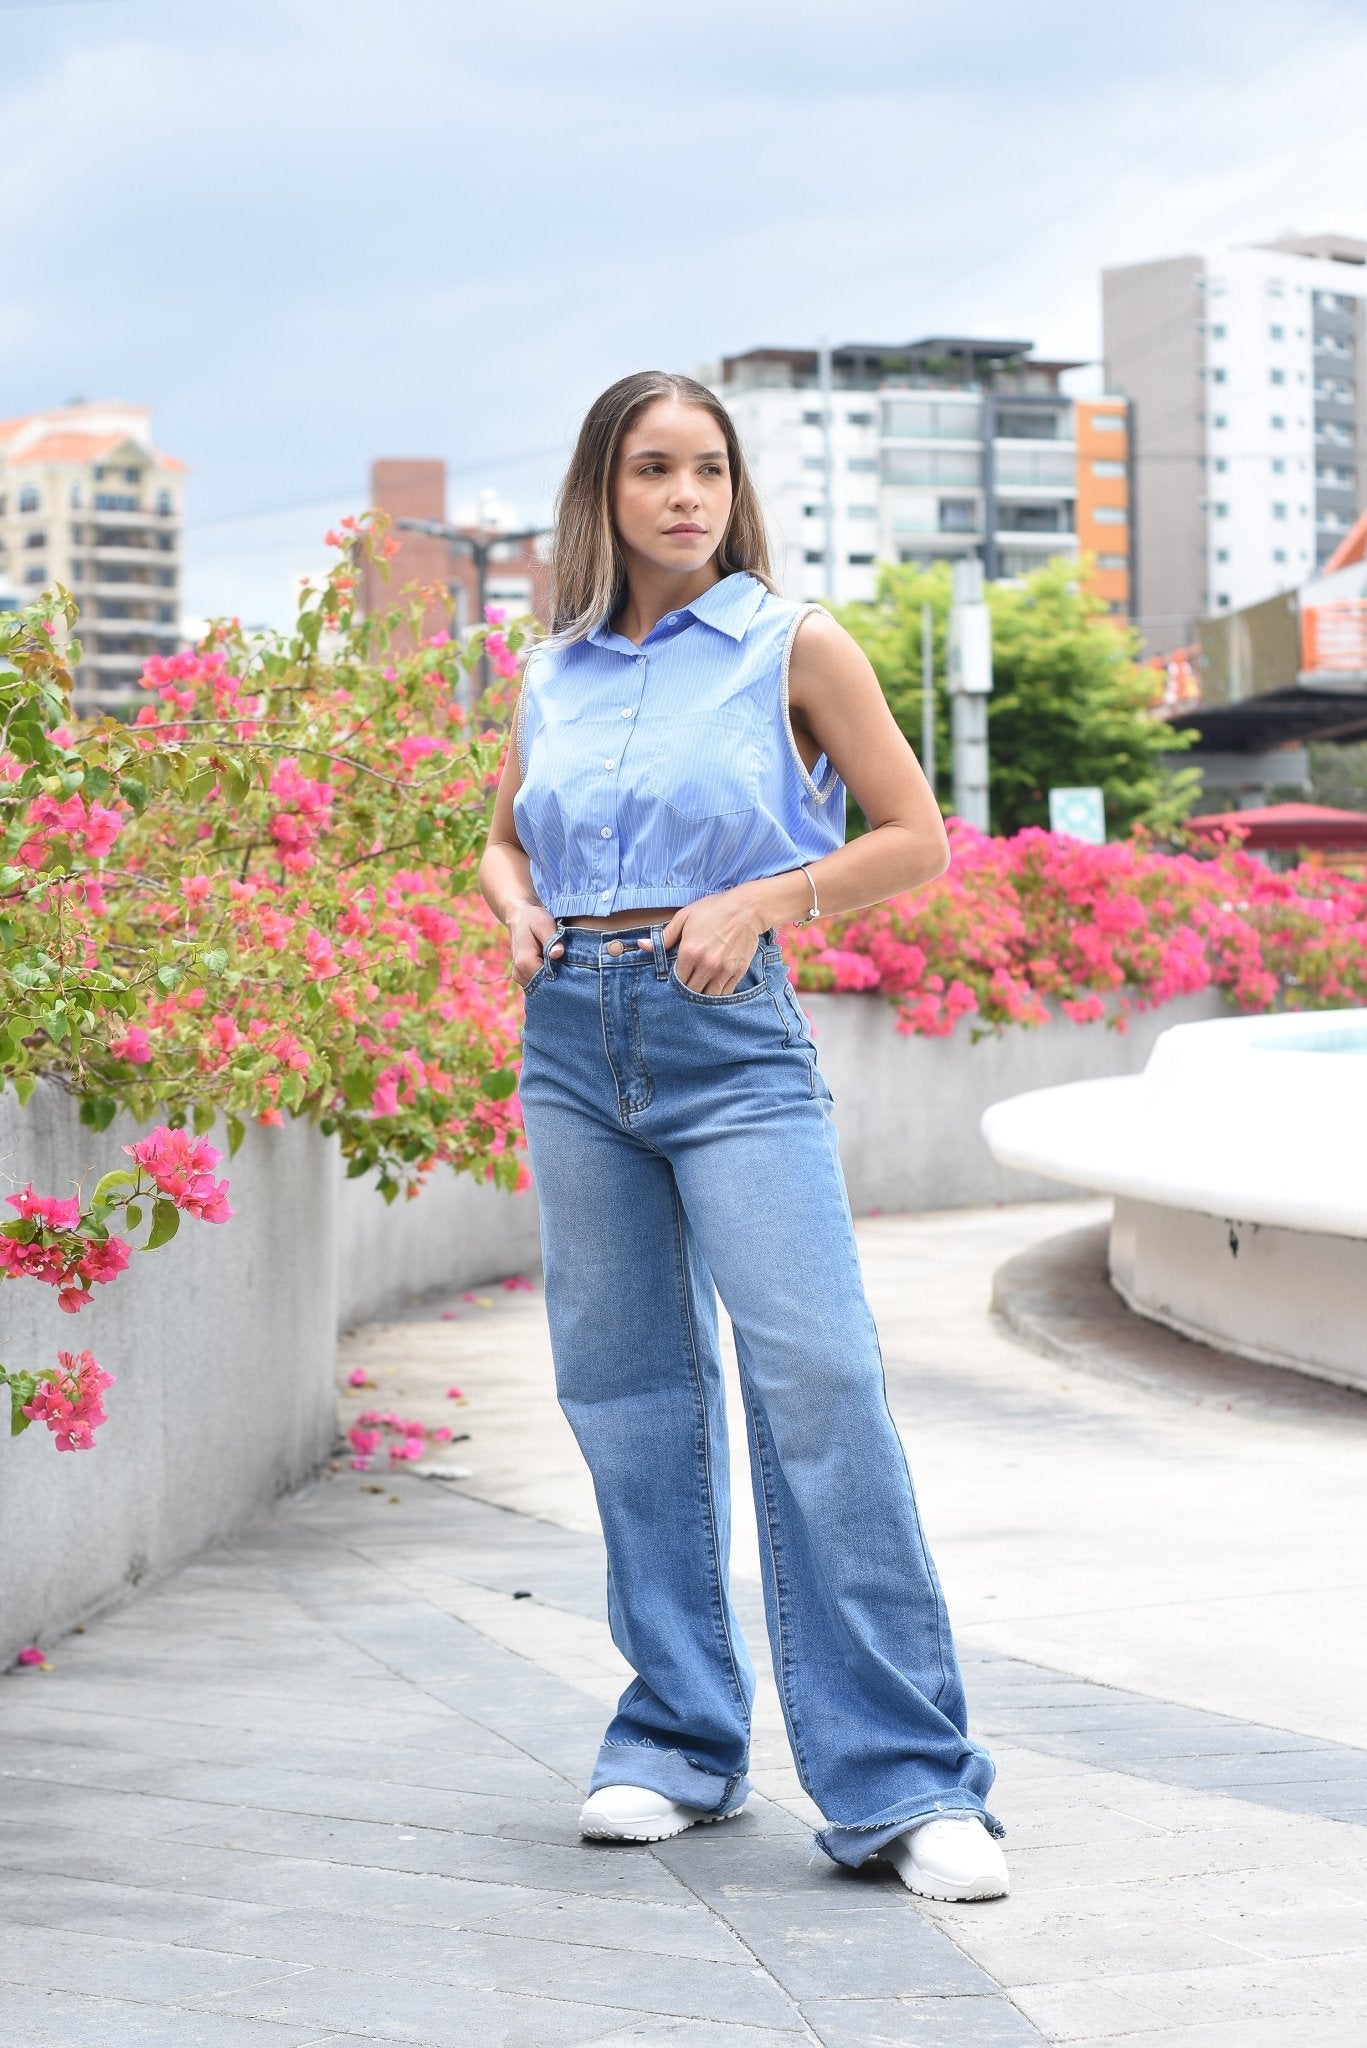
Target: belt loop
551, 965
657, 942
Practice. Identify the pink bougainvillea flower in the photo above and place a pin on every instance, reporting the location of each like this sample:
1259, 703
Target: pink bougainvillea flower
517, 1282
454, 1394
135, 1046
52, 1211
69, 1400
181, 1166
357, 1377
31, 1655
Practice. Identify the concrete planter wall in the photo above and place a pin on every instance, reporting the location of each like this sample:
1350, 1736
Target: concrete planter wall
223, 1342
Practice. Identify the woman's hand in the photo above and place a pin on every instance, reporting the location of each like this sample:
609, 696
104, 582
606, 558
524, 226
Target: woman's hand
716, 938
529, 927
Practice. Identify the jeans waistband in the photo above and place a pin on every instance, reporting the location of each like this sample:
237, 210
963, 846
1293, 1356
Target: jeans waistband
586, 947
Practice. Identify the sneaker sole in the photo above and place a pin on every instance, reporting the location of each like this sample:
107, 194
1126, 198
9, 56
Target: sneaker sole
662, 1832
955, 1896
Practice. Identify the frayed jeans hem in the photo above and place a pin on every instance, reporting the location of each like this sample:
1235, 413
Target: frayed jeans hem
853, 1846
670, 1773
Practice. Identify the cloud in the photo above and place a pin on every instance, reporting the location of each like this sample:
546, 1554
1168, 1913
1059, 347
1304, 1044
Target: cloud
310, 233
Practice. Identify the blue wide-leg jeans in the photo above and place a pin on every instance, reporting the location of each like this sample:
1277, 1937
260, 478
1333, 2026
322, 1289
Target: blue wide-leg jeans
682, 1147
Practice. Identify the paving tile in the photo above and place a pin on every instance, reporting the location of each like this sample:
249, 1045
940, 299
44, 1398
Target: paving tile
56, 2019
109, 1966
990, 2021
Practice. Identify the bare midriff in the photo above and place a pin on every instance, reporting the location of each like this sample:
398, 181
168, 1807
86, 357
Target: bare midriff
619, 920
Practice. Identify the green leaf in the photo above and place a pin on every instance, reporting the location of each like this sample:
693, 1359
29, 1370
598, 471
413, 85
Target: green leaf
358, 1085
204, 1118
215, 960
500, 1084
106, 1184
170, 975
237, 1131
99, 1111
132, 1215
165, 1224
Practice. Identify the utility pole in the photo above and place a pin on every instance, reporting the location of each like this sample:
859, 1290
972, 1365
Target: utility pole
970, 686
928, 694
480, 548
823, 360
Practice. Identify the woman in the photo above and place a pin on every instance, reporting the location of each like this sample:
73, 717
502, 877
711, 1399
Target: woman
676, 792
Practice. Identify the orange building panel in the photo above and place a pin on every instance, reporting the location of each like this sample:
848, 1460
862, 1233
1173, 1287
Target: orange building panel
1101, 429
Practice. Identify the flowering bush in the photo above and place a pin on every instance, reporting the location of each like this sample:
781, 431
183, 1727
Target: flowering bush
252, 899
1101, 929
71, 1247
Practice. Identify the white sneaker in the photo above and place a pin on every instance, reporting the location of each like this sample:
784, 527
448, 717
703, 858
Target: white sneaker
628, 1813
950, 1858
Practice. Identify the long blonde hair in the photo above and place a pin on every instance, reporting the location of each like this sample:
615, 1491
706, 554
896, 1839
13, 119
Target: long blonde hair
588, 571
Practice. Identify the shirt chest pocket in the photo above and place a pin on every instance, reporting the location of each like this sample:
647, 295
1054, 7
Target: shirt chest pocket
703, 767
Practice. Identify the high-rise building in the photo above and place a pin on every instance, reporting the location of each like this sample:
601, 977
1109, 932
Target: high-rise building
934, 450
87, 500
1245, 367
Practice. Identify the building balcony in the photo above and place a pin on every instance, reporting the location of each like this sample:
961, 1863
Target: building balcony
101, 623
127, 549
1059, 543
143, 591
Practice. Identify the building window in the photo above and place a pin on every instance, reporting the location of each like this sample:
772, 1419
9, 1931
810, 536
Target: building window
1222, 554
958, 515
1220, 465
29, 500
1277, 376
115, 501
1218, 333
1279, 554
1277, 423
75, 497
1222, 597
1220, 511
814, 555
1279, 511
1112, 561
1279, 465
862, 463
1276, 334
35, 573
1108, 515
813, 462
1220, 420
1217, 376
1109, 422
860, 419
1105, 468
813, 511
862, 561
861, 511
35, 540
164, 503
813, 419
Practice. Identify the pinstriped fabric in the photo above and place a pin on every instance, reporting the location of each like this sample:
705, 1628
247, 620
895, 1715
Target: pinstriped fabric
660, 773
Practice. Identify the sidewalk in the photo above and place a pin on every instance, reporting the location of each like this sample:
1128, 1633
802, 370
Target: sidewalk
321, 1786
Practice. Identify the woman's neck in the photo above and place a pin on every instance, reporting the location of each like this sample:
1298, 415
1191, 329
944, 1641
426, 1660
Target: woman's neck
652, 592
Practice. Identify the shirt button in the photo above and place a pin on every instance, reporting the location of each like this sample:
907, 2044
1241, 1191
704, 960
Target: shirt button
609, 764
628, 712
606, 832
673, 619
606, 893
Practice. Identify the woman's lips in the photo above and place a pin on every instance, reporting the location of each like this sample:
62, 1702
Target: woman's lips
687, 532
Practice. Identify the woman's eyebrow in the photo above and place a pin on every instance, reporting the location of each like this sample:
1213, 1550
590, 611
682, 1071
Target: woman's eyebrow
664, 455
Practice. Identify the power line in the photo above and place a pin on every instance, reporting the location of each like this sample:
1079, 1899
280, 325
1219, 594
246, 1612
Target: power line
349, 492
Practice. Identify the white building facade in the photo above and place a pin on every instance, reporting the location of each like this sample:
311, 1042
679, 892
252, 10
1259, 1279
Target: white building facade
87, 500
937, 449
1246, 368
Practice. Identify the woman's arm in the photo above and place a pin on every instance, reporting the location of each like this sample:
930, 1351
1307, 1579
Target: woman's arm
836, 701
505, 878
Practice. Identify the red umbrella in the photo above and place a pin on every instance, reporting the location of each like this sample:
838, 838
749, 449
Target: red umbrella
1289, 826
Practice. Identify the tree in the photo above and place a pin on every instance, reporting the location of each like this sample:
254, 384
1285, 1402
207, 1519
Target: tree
1070, 705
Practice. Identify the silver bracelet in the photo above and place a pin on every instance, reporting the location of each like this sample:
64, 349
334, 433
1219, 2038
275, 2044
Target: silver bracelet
815, 910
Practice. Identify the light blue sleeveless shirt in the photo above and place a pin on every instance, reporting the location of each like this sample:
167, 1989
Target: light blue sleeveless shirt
660, 773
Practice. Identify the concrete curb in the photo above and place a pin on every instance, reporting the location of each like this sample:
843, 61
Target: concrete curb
1057, 1299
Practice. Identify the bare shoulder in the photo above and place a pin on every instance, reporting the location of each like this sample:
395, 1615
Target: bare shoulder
825, 656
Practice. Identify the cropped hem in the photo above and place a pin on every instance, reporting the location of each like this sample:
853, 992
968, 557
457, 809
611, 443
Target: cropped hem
853, 1846
636, 896
670, 1773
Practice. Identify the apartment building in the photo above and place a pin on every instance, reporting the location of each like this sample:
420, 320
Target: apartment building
1245, 367
87, 500
935, 449
482, 570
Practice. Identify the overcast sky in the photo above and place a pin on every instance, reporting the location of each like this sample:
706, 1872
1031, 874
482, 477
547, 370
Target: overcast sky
308, 232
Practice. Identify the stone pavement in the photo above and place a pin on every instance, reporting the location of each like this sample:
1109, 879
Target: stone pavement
320, 1786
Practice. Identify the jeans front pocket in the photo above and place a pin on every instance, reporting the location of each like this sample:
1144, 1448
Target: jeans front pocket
753, 984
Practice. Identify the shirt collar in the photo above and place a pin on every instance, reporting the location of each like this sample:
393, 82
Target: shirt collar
729, 605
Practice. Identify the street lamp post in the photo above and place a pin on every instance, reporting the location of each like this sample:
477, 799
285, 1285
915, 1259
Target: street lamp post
479, 547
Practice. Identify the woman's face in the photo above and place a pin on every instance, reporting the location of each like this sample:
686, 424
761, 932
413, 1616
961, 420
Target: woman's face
672, 495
